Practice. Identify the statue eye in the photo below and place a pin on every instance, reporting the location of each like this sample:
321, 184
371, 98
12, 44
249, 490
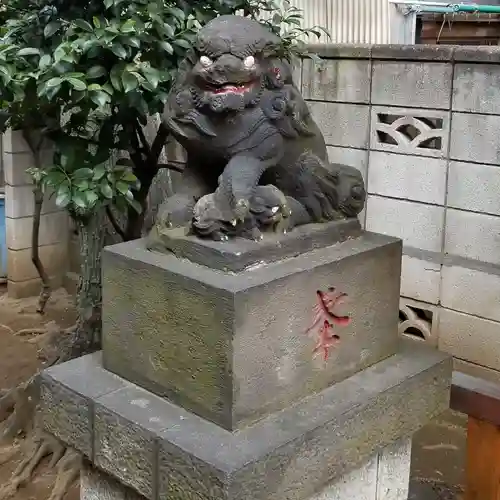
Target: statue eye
249, 62
205, 61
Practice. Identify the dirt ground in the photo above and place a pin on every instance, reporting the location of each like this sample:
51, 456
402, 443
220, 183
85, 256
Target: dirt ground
18, 360
438, 451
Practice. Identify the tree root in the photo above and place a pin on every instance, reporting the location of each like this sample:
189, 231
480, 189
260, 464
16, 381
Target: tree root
17, 419
66, 462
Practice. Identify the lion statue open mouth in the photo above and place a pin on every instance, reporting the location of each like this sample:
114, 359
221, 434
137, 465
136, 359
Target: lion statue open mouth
257, 161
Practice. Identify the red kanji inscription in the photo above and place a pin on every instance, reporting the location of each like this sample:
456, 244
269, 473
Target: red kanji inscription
324, 320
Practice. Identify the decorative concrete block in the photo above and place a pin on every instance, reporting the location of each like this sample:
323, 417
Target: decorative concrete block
419, 226
474, 138
421, 132
54, 228
332, 80
300, 449
470, 338
188, 332
19, 202
474, 187
418, 84
407, 177
21, 268
418, 321
420, 279
96, 485
342, 124
471, 291
473, 236
476, 88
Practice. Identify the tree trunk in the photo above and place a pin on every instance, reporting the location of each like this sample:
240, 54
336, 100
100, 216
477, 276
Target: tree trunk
87, 335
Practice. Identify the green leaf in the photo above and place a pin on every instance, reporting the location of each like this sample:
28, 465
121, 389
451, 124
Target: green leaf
99, 172
91, 197
133, 41
54, 82
167, 47
152, 75
83, 173
106, 190
169, 31
178, 13
77, 84
51, 29
119, 50
28, 51
135, 205
100, 98
79, 200
84, 25
129, 82
97, 22
96, 72
128, 26
108, 3
180, 42
129, 177
122, 187
45, 61
63, 198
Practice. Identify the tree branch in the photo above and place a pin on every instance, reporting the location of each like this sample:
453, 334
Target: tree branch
115, 224
160, 140
45, 292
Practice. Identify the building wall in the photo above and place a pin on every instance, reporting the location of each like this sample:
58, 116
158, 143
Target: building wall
422, 124
22, 277
357, 21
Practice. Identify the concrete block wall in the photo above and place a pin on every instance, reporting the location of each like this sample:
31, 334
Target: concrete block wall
22, 277
422, 123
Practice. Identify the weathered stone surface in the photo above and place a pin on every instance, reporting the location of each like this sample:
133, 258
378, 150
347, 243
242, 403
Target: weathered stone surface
124, 449
345, 125
482, 144
240, 254
418, 84
190, 333
332, 80
298, 451
96, 485
67, 413
476, 88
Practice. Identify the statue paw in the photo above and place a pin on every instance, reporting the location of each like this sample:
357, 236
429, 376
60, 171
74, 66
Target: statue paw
210, 221
269, 207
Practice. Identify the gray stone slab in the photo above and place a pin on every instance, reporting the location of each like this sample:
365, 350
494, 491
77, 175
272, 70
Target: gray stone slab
189, 333
477, 54
475, 138
289, 454
341, 50
331, 80
66, 415
418, 84
239, 254
342, 124
476, 88
413, 52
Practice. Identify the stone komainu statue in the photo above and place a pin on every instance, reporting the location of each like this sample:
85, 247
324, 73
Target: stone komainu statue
256, 160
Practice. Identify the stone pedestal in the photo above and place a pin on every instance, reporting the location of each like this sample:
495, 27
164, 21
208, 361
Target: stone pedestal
281, 379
